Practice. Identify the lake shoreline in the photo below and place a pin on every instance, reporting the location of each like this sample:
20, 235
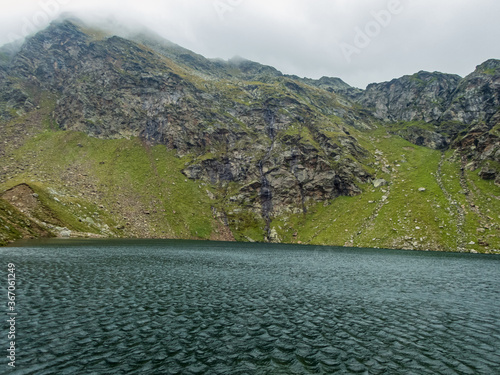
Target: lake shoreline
27, 242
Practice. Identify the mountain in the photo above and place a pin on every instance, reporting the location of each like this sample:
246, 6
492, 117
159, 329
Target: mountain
110, 136
423, 96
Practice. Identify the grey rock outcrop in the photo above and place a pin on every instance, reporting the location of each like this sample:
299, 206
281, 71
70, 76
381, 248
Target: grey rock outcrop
423, 96
477, 97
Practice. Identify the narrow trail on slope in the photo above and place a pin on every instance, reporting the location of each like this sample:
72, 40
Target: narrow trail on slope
369, 221
458, 208
471, 195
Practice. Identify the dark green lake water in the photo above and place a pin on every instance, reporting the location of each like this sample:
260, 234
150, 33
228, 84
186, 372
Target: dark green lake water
185, 307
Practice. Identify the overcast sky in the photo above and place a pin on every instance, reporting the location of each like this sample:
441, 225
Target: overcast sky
359, 41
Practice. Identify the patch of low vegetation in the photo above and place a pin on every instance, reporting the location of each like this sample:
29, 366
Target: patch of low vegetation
411, 212
113, 187
14, 225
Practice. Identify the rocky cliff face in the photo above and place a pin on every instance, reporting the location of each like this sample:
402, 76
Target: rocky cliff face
477, 102
438, 97
448, 103
477, 97
423, 96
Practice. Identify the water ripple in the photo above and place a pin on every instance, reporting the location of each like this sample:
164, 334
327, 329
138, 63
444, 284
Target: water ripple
172, 307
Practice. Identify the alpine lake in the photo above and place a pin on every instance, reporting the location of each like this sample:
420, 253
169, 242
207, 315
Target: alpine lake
194, 307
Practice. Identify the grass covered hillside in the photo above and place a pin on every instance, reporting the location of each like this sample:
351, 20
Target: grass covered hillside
127, 188
142, 138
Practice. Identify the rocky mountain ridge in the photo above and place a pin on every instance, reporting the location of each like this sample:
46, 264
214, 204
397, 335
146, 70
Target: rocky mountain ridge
270, 146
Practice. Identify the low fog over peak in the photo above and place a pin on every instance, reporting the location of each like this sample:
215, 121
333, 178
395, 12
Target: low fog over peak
360, 42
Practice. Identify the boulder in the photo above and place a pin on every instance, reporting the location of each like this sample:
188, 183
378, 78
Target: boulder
487, 173
379, 182
65, 233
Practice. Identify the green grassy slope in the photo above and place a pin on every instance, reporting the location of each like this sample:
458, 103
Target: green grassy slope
15, 225
114, 187
399, 215
126, 188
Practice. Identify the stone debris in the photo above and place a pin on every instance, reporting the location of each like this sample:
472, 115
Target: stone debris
379, 182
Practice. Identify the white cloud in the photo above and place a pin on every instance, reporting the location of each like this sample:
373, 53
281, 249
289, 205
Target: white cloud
299, 36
